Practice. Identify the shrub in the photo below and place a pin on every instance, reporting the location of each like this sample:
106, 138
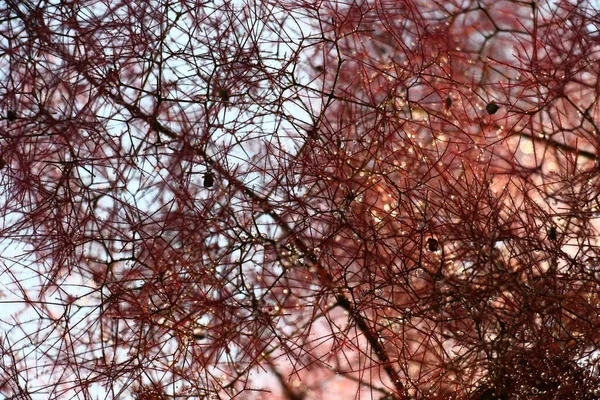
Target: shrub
283, 199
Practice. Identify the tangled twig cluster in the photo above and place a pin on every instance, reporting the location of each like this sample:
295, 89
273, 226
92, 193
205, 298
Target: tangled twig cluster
283, 199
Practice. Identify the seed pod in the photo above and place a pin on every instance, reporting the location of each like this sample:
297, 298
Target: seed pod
492, 108
448, 102
209, 179
224, 95
11, 115
432, 244
552, 234
112, 76
350, 196
312, 132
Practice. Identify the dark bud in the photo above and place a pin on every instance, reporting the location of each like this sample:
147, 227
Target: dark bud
112, 76
319, 68
448, 102
492, 108
350, 196
2, 163
11, 115
209, 179
552, 234
224, 95
432, 244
